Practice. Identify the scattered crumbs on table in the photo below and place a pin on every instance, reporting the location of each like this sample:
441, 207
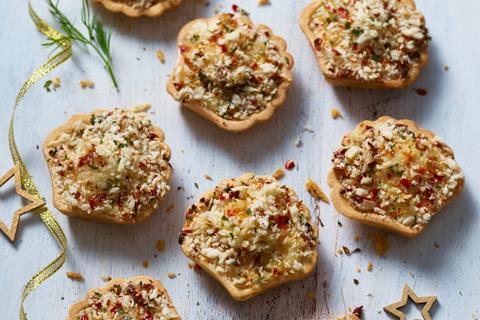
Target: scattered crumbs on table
420, 91
446, 67
339, 251
106, 278
346, 250
357, 269
335, 113
357, 237
290, 165
411, 274
207, 177
142, 107
356, 282
263, 2
279, 173
436, 245
196, 185
310, 295
171, 275
145, 264
369, 266
160, 56
339, 224
315, 191
160, 245
380, 242
87, 84
74, 276
170, 208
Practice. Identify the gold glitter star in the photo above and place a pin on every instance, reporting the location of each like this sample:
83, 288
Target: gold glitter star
34, 202
408, 293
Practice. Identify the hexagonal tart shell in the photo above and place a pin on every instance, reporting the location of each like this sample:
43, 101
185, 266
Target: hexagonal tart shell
77, 212
248, 293
343, 206
346, 82
262, 116
154, 11
77, 307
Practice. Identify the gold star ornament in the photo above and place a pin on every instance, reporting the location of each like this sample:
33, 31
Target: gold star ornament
408, 293
35, 203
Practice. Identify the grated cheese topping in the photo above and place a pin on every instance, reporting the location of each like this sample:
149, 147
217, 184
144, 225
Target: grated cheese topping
229, 66
252, 230
139, 299
113, 165
369, 39
390, 170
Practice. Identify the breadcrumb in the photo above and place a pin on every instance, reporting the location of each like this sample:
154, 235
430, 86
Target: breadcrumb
87, 84
263, 2
171, 275
160, 56
106, 278
335, 113
369, 266
380, 243
315, 191
279, 173
170, 207
160, 245
143, 107
207, 177
145, 264
310, 295
74, 276
56, 83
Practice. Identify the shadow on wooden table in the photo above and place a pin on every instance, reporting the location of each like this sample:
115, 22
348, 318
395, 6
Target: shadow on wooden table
259, 143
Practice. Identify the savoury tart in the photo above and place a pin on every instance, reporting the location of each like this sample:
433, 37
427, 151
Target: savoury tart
367, 43
394, 175
136, 298
251, 234
231, 71
110, 166
138, 8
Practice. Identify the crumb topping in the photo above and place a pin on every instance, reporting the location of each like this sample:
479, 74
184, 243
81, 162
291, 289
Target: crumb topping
140, 4
369, 39
390, 170
113, 165
252, 230
130, 300
230, 66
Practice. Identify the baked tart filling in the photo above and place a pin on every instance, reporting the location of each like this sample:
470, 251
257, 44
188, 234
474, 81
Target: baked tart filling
389, 169
137, 8
252, 231
111, 165
369, 40
230, 66
139, 298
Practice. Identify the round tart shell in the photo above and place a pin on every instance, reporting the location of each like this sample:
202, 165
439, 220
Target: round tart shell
412, 76
373, 219
246, 294
76, 212
262, 116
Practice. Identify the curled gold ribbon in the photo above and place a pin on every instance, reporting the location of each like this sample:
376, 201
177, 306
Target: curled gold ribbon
27, 182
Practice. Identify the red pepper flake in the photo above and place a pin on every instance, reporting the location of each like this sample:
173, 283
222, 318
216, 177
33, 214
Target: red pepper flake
152, 136
342, 12
183, 49
234, 8
84, 317
420, 91
406, 183
290, 165
358, 311
318, 44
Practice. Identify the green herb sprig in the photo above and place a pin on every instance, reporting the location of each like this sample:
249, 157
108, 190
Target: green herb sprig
97, 38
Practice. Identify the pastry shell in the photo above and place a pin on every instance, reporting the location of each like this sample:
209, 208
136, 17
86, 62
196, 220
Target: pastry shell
246, 294
154, 11
262, 116
77, 212
77, 307
413, 72
343, 206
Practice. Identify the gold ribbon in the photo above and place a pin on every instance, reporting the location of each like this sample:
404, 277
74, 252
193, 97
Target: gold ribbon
27, 181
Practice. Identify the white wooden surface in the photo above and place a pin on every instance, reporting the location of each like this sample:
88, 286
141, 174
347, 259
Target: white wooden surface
450, 109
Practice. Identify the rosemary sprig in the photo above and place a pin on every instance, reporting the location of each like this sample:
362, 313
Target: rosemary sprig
97, 38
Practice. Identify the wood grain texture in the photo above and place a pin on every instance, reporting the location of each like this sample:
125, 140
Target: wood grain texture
450, 109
